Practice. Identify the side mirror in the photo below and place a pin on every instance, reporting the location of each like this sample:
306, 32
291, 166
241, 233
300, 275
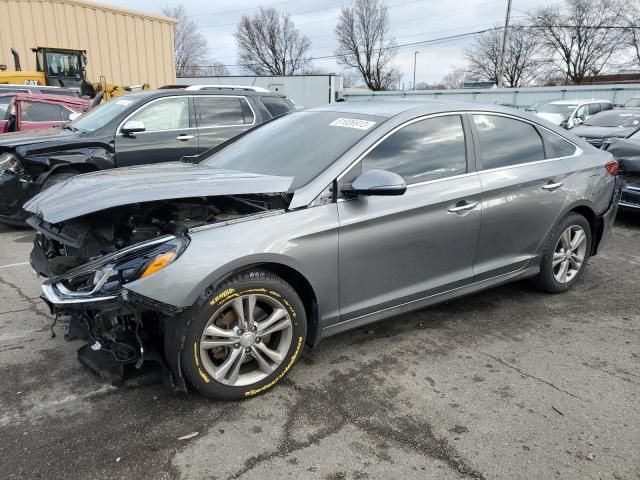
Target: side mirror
132, 126
73, 116
376, 182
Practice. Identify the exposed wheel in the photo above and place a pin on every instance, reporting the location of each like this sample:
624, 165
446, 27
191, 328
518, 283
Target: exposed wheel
566, 254
245, 337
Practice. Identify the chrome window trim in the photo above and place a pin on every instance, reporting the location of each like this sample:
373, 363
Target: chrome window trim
128, 117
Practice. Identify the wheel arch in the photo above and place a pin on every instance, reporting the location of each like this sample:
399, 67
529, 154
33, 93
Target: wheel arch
597, 228
299, 283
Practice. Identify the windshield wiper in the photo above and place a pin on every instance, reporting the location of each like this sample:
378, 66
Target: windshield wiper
66, 126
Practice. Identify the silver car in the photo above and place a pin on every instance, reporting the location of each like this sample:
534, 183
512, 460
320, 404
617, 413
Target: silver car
310, 225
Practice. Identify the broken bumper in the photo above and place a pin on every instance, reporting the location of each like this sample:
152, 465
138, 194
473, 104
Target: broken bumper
608, 218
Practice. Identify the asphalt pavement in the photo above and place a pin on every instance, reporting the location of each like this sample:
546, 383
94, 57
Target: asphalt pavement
506, 384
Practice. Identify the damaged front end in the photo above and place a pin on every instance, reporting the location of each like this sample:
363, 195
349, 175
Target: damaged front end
89, 261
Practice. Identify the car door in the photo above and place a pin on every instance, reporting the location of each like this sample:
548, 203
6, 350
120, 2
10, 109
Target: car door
34, 115
523, 191
402, 248
220, 118
167, 137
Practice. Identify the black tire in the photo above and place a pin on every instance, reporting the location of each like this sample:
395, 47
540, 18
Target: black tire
546, 280
267, 285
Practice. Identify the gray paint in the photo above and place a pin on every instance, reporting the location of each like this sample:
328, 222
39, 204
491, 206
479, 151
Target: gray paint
93, 192
373, 257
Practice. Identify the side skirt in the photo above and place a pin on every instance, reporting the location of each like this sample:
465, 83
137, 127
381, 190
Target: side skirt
529, 271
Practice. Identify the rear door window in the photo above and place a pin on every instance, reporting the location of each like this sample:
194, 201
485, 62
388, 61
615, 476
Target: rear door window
507, 141
43, 112
425, 150
276, 106
222, 111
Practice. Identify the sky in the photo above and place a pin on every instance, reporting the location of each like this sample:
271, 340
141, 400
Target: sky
410, 20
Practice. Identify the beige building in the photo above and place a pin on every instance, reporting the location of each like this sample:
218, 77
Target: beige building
124, 47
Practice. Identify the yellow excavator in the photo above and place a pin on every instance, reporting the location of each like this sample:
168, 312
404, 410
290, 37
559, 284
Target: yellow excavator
62, 67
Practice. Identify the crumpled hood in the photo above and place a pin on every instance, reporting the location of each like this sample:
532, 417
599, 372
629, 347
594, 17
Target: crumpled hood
93, 192
556, 118
35, 137
592, 131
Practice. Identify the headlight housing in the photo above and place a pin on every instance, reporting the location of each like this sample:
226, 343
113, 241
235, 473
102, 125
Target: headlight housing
9, 163
109, 273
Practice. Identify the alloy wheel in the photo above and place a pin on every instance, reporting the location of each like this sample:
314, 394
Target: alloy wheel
569, 254
246, 340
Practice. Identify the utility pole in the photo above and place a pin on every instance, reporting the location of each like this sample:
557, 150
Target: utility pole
504, 43
415, 56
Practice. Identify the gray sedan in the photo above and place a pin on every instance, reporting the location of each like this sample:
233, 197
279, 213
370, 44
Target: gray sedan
310, 225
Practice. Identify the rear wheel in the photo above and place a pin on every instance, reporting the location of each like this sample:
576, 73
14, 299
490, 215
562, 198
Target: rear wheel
245, 337
566, 254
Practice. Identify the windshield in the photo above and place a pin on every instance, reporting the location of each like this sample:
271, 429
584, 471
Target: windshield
634, 102
561, 108
299, 145
102, 114
614, 119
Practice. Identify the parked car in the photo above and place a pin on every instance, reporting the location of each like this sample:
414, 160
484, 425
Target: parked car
21, 112
138, 128
535, 106
570, 113
610, 124
320, 221
627, 152
39, 89
632, 103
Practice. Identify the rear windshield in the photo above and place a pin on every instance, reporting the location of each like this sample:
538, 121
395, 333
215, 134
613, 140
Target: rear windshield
615, 118
299, 145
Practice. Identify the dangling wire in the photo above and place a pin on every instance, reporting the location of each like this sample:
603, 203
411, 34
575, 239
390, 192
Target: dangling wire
55, 320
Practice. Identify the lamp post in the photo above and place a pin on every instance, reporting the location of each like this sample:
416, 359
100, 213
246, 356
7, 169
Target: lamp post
415, 56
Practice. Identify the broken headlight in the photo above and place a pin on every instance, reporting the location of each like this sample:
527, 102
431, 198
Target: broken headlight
109, 272
9, 163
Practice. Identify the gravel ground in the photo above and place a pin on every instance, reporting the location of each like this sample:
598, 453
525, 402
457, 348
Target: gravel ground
506, 384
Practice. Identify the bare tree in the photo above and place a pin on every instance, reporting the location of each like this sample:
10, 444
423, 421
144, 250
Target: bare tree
214, 69
580, 39
632, 21
269, 43
522, 62
190, 45
454, 79
364, 43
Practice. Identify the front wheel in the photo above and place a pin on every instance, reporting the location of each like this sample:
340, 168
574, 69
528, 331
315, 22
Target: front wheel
566, 254
245, 337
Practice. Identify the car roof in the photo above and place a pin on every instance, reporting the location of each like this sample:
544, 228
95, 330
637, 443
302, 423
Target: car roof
168, 92
579, 100
391, 108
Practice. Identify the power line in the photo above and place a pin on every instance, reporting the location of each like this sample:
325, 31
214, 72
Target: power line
395, 47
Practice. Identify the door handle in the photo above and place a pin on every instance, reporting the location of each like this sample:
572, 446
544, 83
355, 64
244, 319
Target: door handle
184, 138
550, 187
463, 208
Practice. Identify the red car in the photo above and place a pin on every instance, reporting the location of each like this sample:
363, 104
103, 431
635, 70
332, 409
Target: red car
26, 111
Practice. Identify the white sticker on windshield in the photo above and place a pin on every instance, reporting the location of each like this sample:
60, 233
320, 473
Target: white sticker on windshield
352, 123
125, 103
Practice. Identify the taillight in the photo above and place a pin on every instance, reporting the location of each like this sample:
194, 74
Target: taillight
612, 167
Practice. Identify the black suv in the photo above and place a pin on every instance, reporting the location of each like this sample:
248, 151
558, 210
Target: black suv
134, 129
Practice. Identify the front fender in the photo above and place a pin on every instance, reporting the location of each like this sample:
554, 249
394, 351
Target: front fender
305, 241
